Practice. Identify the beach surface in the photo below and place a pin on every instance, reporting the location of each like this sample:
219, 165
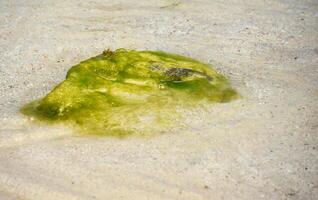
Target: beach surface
262, 146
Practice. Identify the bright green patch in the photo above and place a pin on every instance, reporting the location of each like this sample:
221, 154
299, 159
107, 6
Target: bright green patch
130, 92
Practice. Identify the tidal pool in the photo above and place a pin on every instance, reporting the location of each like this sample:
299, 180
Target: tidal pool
126, 92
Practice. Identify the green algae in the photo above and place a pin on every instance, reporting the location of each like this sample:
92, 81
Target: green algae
130, 92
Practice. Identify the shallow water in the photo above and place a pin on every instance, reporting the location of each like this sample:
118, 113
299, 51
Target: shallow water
263, 146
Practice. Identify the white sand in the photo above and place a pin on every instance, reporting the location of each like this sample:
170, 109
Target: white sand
261, 147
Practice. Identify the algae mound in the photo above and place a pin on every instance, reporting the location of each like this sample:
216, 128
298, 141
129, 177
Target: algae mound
130, 92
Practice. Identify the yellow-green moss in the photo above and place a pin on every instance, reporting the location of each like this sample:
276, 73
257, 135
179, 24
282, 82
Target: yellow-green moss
130, 92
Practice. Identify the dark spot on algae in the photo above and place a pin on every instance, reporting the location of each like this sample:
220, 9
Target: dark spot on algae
128, 92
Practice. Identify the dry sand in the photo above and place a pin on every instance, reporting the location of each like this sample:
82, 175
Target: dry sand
263, 146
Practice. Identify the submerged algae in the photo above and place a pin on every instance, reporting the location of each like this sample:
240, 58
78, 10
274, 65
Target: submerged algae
130, 92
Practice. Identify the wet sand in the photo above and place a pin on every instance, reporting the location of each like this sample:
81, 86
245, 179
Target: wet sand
263, 146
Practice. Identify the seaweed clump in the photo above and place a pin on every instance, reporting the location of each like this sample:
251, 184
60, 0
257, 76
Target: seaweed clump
127, 92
